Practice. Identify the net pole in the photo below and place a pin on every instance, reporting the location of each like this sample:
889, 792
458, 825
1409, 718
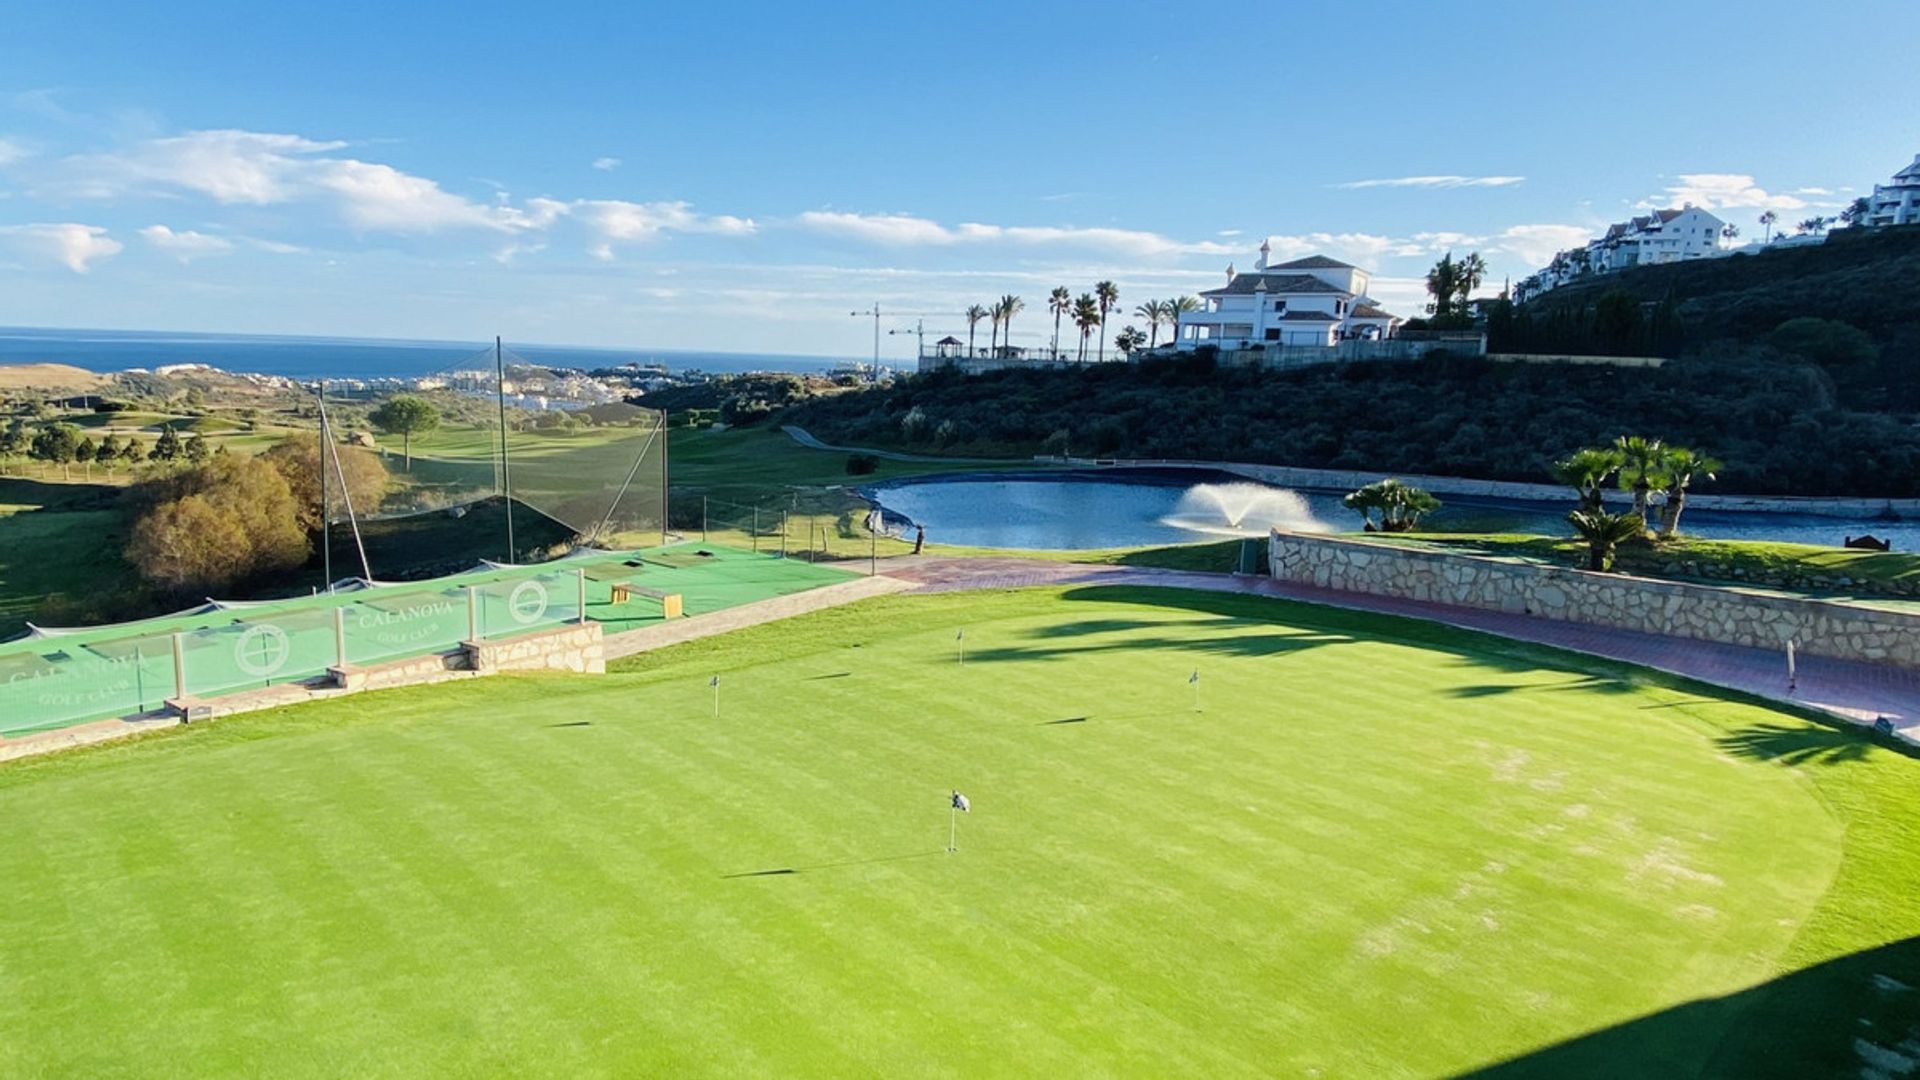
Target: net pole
506, 471
666, 492
703, 519
783, 534
345, 495
326, 528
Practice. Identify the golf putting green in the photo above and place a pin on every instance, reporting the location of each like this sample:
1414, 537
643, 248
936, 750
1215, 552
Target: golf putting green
1358, 846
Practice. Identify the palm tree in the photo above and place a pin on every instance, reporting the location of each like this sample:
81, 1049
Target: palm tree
1857, 211
1815, 224
1443, 281
1603, 533
1129, 339
974, 315
1151, 312
1468, 274
1641, 464
1588, 472
1086, 316
993, 338
1009, 306
1176, 307
1060, 302
1682, 466
1109, 297
1730, 232
1767, 219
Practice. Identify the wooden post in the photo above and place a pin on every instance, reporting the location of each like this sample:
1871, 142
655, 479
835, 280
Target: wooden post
473, 614
582, 574
180, 666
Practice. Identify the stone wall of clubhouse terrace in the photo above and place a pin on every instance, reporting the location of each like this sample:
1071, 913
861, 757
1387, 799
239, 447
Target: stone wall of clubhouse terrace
1732, 616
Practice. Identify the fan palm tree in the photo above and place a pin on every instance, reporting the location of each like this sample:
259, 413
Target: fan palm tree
1108, 295
1443, 283
1468, 273
1060, 302
1588, 472
1151, 313
1682, 466
974, 315
1767, 219
993, 323
1176, 307
1604, 533
1009, 306
1642, 461
1086, 316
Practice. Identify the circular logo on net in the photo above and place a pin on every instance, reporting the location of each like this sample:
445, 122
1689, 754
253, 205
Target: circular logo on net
527, 602
262, 650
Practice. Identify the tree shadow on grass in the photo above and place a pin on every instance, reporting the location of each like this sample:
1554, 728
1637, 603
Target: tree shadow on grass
1796, 745
1582, 684
1852, 1016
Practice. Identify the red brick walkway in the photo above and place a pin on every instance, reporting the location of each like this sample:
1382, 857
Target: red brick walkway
1851, 690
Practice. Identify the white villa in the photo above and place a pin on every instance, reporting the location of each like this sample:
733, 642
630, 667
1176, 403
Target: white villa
1315, 301
1664, 236
1897, 203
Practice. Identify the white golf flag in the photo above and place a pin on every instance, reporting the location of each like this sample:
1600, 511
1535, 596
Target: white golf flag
960, 803
1194, 679
714, 682
960, 635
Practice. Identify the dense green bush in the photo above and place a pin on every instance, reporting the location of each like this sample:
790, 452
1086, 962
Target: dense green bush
1771, 417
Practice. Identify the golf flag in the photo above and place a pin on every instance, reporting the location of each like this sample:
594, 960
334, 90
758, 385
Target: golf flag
714, 682
960, 803
960, 643
1194, 679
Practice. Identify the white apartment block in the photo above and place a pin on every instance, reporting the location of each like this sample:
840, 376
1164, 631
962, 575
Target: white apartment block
1664, 236
1897, 203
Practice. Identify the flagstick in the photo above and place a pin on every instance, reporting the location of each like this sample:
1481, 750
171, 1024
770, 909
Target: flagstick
953, 827
961, 638
1793, 677
716, 701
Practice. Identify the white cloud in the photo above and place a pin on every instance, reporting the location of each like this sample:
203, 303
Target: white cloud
1717, 191
259, 168
186, 245
75, 246
1537, 244
1434, 182
908, 230
606, 164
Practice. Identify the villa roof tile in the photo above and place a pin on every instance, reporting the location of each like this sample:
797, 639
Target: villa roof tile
1314, 262
1278, 284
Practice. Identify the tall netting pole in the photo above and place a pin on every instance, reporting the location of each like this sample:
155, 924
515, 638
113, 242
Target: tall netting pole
506, 475
326, 528
666, 492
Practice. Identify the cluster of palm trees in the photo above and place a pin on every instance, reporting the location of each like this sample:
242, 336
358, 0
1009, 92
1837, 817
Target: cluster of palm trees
1089, 313
1638, 465
1452, 281
1400, 506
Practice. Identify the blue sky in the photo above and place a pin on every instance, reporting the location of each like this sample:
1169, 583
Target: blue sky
740, 177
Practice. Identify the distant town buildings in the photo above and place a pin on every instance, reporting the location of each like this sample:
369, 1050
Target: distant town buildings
1664, 236
1315, 301
1897, 203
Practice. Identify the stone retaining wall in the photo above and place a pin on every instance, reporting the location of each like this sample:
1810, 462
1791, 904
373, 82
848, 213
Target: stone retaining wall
1629, 603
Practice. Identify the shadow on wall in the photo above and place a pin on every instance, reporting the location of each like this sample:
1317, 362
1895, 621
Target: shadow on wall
1858, 1015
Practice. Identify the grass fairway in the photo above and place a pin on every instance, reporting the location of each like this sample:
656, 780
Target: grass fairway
1382, 849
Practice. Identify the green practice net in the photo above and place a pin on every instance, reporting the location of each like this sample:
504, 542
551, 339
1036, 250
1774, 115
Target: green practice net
493, 457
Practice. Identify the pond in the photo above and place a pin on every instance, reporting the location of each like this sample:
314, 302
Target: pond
1070, 511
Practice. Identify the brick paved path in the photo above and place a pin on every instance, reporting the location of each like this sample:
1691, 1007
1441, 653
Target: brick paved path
1848, 689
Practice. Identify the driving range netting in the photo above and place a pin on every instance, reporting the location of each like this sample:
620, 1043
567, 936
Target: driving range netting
59, 678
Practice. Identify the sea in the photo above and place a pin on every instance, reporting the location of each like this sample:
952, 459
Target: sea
347, 358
